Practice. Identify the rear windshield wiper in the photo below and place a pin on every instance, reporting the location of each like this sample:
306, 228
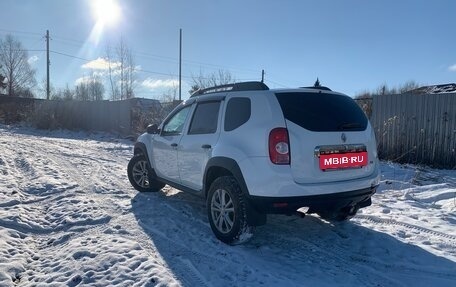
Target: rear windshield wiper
349, 126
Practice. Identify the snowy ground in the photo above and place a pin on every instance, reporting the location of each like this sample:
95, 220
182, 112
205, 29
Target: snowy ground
69, 217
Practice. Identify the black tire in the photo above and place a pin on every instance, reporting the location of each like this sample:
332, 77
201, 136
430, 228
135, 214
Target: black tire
227, 211
140, 175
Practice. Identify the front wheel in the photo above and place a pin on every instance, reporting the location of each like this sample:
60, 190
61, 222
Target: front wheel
139, 175
227, 211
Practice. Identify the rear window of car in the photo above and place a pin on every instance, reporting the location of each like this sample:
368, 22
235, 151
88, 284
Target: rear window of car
322, 112
237, 113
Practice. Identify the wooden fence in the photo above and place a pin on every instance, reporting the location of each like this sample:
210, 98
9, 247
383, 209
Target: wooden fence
418, 129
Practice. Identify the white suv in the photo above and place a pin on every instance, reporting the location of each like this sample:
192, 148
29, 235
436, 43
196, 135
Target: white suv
250, 151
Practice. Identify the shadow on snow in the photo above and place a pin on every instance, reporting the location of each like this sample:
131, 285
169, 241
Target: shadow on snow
288, 250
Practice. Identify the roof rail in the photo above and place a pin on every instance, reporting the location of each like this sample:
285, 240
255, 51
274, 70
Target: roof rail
234, 87
317, 88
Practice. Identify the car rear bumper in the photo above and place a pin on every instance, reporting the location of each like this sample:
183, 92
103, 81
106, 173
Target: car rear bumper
265, 179
316, 203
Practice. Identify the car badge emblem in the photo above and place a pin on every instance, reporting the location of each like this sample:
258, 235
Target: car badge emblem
343, 137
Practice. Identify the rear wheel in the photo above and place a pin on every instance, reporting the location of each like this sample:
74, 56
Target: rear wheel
227, 211
140, 177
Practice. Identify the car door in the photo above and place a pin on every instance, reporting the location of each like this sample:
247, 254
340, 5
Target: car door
165, 145
195, 147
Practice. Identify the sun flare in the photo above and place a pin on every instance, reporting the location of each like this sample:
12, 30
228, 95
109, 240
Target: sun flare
106, 12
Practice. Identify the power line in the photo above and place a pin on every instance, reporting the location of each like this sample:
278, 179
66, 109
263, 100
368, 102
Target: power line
153, 72
27, 50
71, 56
21, 32
140, 54
80, 43
135, 69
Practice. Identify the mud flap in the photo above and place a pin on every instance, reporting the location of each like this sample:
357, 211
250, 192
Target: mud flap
254, 217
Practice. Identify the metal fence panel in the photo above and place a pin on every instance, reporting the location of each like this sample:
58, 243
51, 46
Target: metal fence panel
419, 129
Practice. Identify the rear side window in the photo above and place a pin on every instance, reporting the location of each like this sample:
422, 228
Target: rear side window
205, 118
237, 113
322, 112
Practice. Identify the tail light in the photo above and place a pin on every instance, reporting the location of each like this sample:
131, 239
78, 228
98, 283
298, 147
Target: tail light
279, 146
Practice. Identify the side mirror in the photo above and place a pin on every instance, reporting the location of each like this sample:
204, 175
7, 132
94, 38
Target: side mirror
153, 129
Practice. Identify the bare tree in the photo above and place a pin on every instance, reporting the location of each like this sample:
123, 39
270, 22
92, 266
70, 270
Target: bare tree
14, 65
401, 89
364, 100
63, 94
385, 90
130, 76
121, 71
202, 81
81, 91
96, 88
408, 86
68, 94
90, 89
115, 93
42, 91
2, 80
170, 95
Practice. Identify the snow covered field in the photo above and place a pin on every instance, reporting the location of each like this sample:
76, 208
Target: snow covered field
69, 217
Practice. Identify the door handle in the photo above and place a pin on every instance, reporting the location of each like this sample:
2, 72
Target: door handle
174, 144
206, 146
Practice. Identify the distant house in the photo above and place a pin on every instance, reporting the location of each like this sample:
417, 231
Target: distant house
435, 89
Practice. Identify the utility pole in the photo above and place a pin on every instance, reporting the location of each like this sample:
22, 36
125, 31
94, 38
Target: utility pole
47, 66
262, 76
180, 64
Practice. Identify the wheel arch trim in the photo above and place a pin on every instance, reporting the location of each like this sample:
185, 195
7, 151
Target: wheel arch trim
228, 164
140, 148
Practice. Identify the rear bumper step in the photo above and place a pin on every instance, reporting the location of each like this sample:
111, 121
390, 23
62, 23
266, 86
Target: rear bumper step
316, 203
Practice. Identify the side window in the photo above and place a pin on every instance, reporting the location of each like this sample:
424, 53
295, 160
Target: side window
205, 118
175, 124
237, 113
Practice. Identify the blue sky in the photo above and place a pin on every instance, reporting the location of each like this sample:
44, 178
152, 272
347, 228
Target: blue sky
351, 45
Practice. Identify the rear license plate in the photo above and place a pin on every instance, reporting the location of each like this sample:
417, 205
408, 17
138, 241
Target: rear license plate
343, 160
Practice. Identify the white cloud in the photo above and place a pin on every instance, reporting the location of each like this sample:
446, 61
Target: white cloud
452, 68
89, 79
99, 74
33, 59
100, 64
85, 79
157, 84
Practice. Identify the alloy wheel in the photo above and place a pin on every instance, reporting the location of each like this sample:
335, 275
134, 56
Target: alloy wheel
222, 209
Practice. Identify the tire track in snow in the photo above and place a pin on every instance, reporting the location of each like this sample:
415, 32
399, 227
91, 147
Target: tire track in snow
38, 230
3, 167
175, 253
301, 249
332, 262
376, 264
187, 274
179, 256
378, 220
35, 145
337, 253
361, 260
